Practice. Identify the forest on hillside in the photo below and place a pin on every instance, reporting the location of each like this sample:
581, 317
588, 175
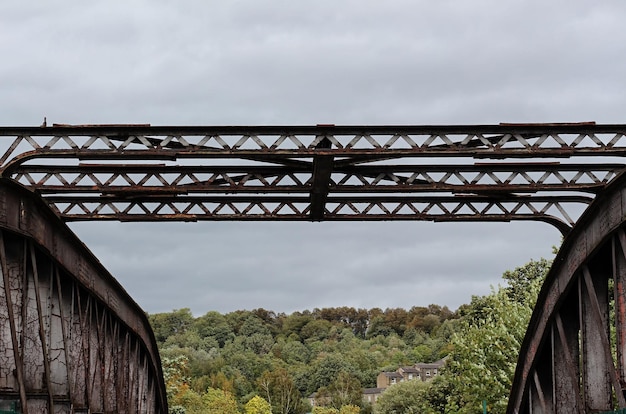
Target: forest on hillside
259, 361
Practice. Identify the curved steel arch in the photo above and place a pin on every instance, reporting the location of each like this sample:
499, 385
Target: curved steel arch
573, 357
71, 339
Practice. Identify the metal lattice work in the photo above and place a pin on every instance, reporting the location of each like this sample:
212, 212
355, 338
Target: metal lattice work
316, 173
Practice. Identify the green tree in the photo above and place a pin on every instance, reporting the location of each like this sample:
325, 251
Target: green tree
179, 394
170, 323
346, 409
214, 325
324, 371
257, 405
253, 325
316, 330
523, 279
408, 397
219, 402
294, 323
325, 410
482, 363
280, 391
345, 390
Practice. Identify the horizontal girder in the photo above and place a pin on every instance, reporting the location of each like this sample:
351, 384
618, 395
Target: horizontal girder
324, 172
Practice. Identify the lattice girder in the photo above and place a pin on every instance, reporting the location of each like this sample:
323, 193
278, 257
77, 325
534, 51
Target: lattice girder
324, 172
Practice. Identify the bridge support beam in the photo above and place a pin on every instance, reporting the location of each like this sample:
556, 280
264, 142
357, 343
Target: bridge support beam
573, 359
71, 340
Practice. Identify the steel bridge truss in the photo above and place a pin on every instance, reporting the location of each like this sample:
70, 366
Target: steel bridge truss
324, 172
571, 359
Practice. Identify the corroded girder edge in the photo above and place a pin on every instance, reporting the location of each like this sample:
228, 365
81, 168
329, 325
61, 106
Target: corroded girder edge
24, 213
531, 128
599, 221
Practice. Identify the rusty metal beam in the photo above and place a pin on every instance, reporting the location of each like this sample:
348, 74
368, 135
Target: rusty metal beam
493, 177
320, 180
565, 357
570, 323
327, 162
67, 318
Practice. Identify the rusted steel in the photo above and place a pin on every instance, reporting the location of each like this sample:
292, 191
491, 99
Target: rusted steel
540, 394
619, 272
67, 318
320, 181
17, 355
599, 376
182, 179
324, 161
433, 208
566, 366
42, 329
573, 310
326, 172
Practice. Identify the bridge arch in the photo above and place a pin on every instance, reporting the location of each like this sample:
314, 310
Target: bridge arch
72, 340
573, 358
310, 173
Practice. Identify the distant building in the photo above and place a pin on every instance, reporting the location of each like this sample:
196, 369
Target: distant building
387, 379
371, 395
428, 371
420, 371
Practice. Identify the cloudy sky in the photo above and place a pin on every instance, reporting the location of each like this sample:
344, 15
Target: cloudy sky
249, 62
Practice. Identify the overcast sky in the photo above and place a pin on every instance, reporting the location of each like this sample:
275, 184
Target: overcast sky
254, 62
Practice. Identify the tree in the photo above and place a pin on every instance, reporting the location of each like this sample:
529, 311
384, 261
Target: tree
257, 405
378, 327
522, 279
214, 325
324, 371
219, 402
342, 391
293, 352
408, 397
316, 330
170, 323
325, 410
253, 325
280, 391
179, 394
294, 323
346, 409
482, 363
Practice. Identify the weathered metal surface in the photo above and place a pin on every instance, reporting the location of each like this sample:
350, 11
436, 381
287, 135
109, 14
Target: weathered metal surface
71, 339
73, 317
570, 327
126, 172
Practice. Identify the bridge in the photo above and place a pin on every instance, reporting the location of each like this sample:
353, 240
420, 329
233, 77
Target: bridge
74, 341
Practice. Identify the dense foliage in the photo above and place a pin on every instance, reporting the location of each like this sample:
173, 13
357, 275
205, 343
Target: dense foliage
285, 358
258, 361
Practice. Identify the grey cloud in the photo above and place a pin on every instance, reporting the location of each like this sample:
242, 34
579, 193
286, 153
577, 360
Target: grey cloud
227, 266
285, 62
